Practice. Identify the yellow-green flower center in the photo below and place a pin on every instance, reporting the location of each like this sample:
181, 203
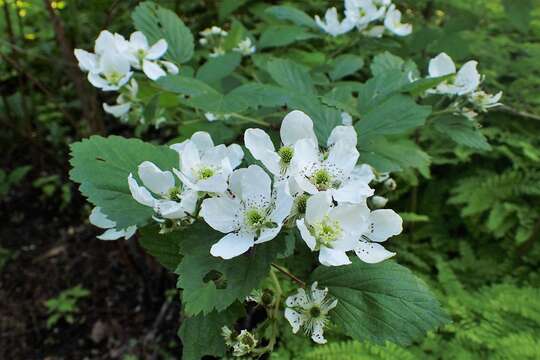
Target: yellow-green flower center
327, 231
141, 54
205, 173
315, 312
114, 77
286, 154
174, 193
322, 179
301, 202
254, 218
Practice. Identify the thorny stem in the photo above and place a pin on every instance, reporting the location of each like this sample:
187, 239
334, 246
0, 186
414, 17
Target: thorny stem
294, 278
272, 317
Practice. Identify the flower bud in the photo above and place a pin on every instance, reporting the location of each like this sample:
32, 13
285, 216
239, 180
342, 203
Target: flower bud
390, 184
378, 202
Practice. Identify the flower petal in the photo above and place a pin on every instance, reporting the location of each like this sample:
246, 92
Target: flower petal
363, 172
467, 78
333, 257
202, 140
157, 50
153, 70
317, 331
299, 299
99, 219
104, 42
112, 234
317, 207
157, 181
221, 213
87, 60
189, 159
268, 234
441, 65
189, 201
138, 40
353, 191
343, 156
283, 202
306, 235
235, 155
170, 67
256, 187
232, 245
261, 147
352, 218
117, 110
139, 193
343, 133
296, 125
372, 253
385, 223
294, 318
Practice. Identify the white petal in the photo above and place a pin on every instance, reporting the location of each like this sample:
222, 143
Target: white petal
296, 125
235, 155
304, 184
363, 173
268, 234
317, 332
318, 295
352, 218
317, 207
235, 181
138, 40
112, 234
87, 60
157, 50
261, 147
372, 253
306, 153
153, 70
353, 191
467, 78
221, 213
130, 231
294, 318
232, 245
139, 193
202, 140
215, 184
441, 65
187, 179
343, 133
283, 202
343, 156
97, 80
170, 67
104, 42
169, 209
256, 187
159, 182
299, 299
346, 118
99, 219
189, 201
306, 235
117, 110
385, 223
333, 257
189, 158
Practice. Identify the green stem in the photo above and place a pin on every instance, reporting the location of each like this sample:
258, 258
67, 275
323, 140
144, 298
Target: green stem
250, 119
285, 272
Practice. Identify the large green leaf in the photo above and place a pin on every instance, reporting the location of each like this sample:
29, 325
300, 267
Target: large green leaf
102, 165
394, 115
160, 23
219, 67
165, 248
184, 85
380, 302
217, 103
291, 75
292, 14
379, 88
344, 65
201, 334
461, 130
281, 35
212, 283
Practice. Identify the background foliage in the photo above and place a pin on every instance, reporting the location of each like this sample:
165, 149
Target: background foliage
474, 217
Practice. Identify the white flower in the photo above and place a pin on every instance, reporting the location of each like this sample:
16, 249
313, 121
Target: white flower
173, 201
245, 47
310, 311
381, 225
470, 114
295, 126
314, 171
217, 52
392, 22
123, 101
241, 344
484, 101
331, 230
346, 119
374, 32
205, 167
465, 81
362, 12
211, 117
99, 219
331, 23
251, 215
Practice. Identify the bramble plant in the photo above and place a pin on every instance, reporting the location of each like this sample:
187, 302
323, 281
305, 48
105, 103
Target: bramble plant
298, 191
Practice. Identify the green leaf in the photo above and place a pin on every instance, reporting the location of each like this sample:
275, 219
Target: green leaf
256, 94
211, 283
102, 165
291, 75
380, 302
344, 65
281, 35
393, 155
184, 85
419, 86
219, 67
519, 13
201, 334
413, 217
292, 14
217, 103
379, 88
165, 248
461, 130
227, 7
386, 62
160, 23
395, 115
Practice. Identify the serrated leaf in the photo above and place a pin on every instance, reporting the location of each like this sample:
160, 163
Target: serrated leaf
238, 276
385, 62
160, 23
102, 165
217, 103
291, 75
227, 7
184, 85
344, 65
165, 248
292, 14
380, 302
256, 94
461, 130
281, 35
379, 88
201, 334
219, 67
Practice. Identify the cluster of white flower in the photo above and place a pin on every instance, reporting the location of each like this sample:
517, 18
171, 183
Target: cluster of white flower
463, 83
213, 37
323, 192
241, 344
370, 17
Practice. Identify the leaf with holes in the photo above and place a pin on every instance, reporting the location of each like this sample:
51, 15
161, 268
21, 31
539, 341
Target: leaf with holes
212, 283
102, 165
160, 23
380, 302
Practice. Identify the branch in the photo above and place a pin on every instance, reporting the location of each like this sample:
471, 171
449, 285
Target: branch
515, 112
285, 272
